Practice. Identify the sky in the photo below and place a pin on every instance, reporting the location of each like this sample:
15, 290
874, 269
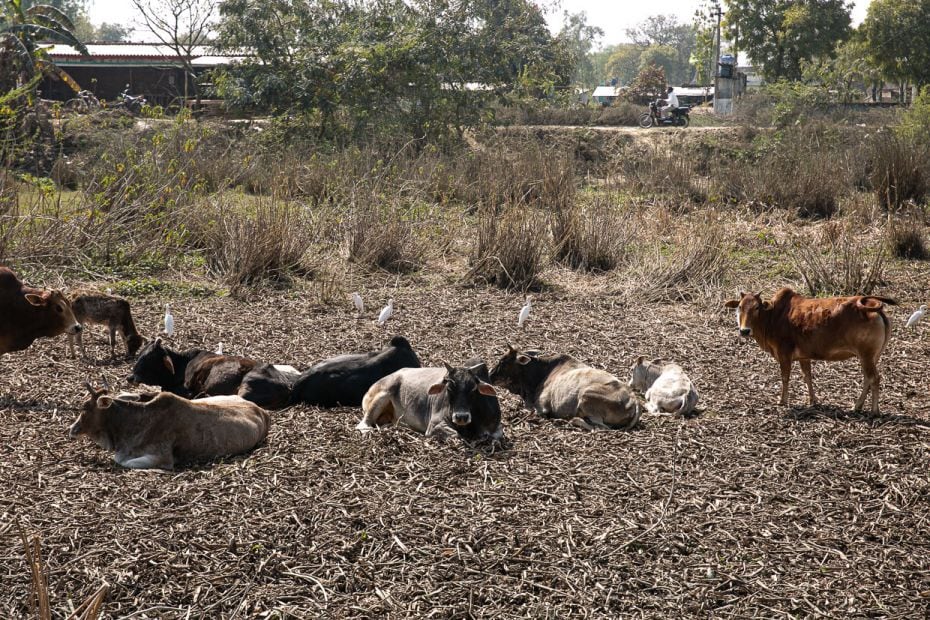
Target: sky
612, 16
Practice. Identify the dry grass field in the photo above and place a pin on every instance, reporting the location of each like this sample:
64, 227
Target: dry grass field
746, 509
629, 243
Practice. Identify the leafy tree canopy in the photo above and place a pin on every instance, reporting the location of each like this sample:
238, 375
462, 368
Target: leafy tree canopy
780, 34
898, 36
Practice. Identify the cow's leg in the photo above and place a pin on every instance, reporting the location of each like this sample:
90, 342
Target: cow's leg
785, 365
439, 428
147, 461
605, 411
71, 338
870, 383
809, 380
377, 409
112, 342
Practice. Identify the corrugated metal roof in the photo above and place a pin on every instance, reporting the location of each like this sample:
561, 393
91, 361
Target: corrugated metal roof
202, 55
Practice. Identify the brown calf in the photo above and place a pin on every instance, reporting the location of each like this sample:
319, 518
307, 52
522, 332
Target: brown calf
157, 432
27, 313
97, 309
792, 327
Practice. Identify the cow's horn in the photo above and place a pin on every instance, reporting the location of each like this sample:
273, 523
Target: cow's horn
90, 388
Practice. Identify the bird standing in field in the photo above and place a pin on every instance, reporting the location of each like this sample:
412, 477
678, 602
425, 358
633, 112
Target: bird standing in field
219, 349
915, 318
169, 321
386, 312
525, 312
359, 304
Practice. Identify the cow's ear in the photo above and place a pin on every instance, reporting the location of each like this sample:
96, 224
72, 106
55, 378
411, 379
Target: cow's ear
168, 364
766, 305
37, 300
486, 389
639, 360
436, 388
733, 303
523, 360
104, 402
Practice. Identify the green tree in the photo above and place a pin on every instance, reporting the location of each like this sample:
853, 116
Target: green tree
624, 63
663, 56
579, 39
780, 34
666, 32
898, 35
649, 85
22, 60
850, 71
421, 65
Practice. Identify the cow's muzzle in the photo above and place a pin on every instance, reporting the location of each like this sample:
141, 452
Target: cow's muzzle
461, 418
75, 329
131, 380
74, 430
745, 332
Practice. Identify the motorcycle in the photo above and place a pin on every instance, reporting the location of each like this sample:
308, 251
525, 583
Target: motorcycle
84, 102
678, 118
133, 103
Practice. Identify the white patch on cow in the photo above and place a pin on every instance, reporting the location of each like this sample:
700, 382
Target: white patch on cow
738, 323
147, 461
286, 369
364, 426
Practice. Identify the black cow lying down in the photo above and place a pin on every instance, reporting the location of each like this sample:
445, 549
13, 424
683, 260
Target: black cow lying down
344, 379
198, 372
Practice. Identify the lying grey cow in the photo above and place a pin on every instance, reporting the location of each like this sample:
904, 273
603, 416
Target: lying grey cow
667, 388
156, 431
559, 386
436, 401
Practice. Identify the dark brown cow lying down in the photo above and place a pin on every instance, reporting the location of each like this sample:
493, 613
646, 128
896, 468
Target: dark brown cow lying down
792, 327
158, 432
27, 313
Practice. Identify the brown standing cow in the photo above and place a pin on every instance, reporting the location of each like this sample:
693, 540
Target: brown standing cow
27, 313
793, 327
92, 308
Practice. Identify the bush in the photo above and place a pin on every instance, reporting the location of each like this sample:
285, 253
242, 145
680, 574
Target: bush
591, 238
509, 250
383, 237
837, 263
245, 246
906, 238
897, 173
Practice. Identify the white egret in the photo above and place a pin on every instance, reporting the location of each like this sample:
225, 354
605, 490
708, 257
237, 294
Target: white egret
219, 349
109, 291
525, 311
386, 312
169, 322
915, 318
359, 304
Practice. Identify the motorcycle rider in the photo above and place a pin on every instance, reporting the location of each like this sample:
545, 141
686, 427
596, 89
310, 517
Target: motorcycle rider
671, 103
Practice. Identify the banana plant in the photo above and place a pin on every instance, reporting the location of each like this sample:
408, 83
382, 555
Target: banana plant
22, 29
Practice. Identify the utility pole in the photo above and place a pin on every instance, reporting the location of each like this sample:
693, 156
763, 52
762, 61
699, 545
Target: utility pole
716, 12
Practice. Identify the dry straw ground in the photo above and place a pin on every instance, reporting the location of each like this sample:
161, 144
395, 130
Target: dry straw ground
745, 510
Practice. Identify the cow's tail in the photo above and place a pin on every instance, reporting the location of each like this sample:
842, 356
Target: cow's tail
875, 307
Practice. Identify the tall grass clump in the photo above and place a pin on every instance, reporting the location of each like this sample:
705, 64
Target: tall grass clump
244, 245
690, 267
898, 174
906, 237
380, 236
838, 263
592, 237
509, 249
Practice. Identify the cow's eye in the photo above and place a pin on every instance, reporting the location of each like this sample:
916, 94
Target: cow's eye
59, 309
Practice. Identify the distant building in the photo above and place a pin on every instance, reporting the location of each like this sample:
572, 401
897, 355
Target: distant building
606, 95
152, 70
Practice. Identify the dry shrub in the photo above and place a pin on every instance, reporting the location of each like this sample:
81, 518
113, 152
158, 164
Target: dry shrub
510, 248
692, 268
906, 237
384, 237
244, 246
593, 237
897, 173
837, 263
664, 172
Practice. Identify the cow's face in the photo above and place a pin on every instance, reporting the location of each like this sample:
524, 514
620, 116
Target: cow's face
90, 421
463, 388
747, 308
56, 305
134, 343
154, 366
509, 371
639, 373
